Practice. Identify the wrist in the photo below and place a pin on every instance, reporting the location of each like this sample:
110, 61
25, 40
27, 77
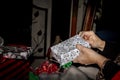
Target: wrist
101, 60
101, 45
103, 63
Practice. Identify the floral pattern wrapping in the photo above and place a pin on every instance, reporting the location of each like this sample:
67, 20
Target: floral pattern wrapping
66, 51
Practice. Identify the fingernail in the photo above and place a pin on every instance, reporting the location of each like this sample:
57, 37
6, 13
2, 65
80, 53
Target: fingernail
80, 33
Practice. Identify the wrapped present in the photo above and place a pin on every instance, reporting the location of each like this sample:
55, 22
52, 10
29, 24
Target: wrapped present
15, 51
66, 51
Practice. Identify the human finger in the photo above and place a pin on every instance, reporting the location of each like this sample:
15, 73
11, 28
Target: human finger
75, 60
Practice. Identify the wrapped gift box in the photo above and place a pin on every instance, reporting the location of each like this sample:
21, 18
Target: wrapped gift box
16, 52
66, 51
14, 62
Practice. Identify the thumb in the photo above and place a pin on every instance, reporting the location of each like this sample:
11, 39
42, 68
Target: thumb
79, 47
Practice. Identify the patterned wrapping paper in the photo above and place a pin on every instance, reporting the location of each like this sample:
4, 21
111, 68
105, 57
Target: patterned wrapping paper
14, 52
66, 51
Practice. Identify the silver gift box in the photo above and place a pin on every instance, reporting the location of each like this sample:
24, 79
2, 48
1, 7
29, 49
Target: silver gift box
66, 51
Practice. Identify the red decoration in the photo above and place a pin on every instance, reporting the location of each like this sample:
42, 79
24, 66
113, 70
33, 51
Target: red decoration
47, 67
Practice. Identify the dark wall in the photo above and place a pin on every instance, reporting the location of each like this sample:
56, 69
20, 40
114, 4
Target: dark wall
16, 20
111, 14
60, 18
109, 25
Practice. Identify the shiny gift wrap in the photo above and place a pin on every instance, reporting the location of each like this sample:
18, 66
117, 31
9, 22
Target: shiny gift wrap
66, 51
16, 52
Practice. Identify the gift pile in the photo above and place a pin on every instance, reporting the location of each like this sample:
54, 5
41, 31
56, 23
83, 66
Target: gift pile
15, 51
66, 51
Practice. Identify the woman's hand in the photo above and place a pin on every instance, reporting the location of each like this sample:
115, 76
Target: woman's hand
93, 39
88, 56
